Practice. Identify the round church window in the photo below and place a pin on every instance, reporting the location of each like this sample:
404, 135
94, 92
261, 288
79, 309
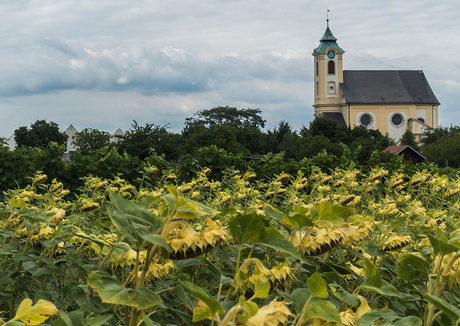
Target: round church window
397, 119
365, 119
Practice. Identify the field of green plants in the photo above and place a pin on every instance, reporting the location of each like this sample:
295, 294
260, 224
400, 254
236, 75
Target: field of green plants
335, 247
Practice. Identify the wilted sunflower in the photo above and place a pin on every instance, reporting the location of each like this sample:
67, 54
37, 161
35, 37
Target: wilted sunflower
127, 258
278, 274
39, 178
356, 232
127, 188
318, 242
171, 177
274, 314
58, 216
395, 242
188, 243
56, 186
88, 206
158, 270
283, 178
151, 171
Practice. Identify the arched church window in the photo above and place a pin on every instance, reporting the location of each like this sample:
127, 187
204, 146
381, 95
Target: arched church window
421, 120
331, 68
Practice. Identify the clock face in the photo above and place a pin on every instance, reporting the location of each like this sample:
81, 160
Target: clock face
331, 54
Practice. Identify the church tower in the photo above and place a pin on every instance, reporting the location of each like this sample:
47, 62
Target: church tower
328, 72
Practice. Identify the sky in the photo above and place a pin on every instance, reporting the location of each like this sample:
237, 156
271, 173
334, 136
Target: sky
102, 64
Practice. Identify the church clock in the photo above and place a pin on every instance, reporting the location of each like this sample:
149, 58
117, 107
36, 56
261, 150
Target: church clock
331, 54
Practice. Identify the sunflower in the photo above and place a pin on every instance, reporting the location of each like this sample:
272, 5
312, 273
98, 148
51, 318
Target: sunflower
395, 242
274, 314
187, 243
317, 242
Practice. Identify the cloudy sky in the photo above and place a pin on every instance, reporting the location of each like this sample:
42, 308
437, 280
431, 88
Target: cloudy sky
102, 64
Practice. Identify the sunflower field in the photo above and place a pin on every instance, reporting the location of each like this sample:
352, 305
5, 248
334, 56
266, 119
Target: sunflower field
336, 247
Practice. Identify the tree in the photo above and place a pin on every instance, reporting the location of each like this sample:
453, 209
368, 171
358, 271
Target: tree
445, 152
91, 139
140, 141
408, 138
324, 126
229, 116
283, 139
39, 135
236, 131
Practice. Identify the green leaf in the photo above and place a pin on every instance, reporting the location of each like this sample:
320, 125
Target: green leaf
172, 190
97, 321
133, 220
373, 278
203, 296
246, 228
297, 221
409, 321
346, 297
324, 213
410, 267
385, 289
111, 290
342, 212
317, 286
274, 212
34, 314
371, 316
156, 239
147, 320
92, 303
63, 320
324, 310
186, 298
211, 267
300, 297
441, 247
262, 288
271, 237
249, 307
451, 311
201, 311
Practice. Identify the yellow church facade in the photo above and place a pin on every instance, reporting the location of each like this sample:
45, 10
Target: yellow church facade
391, 101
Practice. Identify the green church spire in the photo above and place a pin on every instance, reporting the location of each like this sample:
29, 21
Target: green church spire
328, 41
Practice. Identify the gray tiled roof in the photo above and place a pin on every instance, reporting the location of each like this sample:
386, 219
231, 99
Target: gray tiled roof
336, 116
387, 86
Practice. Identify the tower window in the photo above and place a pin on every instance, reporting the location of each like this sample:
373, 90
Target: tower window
331, 68
331, 88
317, 89
317, 68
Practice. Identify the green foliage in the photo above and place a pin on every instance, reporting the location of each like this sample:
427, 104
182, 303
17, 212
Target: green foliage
444, 152
238, 131
227, 116
408, 138
39, 134
141, 141
91, 139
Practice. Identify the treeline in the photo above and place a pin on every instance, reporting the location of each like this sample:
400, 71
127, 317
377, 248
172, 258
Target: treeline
238, 131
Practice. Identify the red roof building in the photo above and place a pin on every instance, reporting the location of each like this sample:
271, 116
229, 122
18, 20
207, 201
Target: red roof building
408, 152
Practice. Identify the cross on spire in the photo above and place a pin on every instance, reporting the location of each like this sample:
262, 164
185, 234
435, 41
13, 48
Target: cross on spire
327, 16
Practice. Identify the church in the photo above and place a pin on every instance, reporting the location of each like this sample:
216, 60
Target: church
390, 101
